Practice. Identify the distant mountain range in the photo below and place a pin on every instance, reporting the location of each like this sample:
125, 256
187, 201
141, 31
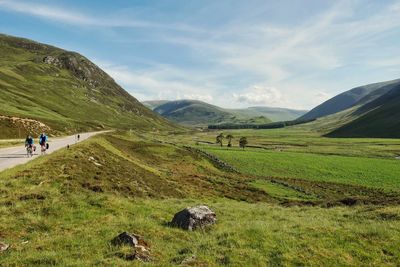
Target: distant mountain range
198, 113
367, 111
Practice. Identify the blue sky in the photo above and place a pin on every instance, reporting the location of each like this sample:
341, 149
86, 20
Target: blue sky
231, 53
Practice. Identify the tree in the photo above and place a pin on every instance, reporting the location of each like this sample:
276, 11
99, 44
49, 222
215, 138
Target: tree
243, 142
229, 137
220, 138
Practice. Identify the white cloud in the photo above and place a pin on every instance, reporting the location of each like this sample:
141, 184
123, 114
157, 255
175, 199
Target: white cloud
73, 17
161, 82
260, 95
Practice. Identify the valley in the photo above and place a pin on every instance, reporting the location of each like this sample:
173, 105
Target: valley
325, 192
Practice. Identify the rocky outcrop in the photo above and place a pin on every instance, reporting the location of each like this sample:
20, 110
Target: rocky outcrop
194, 218
78, 66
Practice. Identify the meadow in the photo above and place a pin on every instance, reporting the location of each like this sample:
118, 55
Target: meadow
67, 214
372, 172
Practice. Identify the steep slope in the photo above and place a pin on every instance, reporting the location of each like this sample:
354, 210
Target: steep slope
64, 91
348, 99
198, 113
377, 118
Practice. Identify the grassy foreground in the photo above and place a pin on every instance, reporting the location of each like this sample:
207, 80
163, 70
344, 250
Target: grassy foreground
64, 210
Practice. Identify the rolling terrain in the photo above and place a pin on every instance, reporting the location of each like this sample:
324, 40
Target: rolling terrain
47, 88
198, 113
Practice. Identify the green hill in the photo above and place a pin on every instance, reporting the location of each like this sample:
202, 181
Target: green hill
275, 114
378, 118
374, 115
198, 113
351, 98
61, 91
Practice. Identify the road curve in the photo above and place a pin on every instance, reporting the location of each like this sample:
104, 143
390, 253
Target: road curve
13, 156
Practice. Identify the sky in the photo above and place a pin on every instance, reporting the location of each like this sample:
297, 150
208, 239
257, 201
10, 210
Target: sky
231, 53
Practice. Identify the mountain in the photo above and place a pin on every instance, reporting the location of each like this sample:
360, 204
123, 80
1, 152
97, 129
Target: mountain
49, 88
198, 113
377, 118
351, 98
376, 114
275, 114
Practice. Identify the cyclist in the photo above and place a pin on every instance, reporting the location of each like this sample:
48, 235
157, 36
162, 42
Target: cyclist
43, 142
30, 147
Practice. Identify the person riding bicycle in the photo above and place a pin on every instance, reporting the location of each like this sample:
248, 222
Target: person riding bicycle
43, 141
29, 142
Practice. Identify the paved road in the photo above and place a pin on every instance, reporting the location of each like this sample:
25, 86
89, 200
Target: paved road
12, 156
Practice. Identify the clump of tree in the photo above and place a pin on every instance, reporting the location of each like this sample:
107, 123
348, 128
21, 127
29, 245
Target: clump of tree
219, 139
243, 142
229, 137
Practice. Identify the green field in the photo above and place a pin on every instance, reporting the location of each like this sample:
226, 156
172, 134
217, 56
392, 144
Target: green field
378, 173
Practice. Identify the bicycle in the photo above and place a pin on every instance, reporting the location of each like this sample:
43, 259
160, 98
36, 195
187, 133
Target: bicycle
29, 151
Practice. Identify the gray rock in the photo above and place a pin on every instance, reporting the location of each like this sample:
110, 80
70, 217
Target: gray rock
194, 217
3, 246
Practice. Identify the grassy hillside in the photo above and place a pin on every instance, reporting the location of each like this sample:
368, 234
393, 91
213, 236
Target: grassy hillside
63, 90
67, 214
378, 118
356, 96
198, 113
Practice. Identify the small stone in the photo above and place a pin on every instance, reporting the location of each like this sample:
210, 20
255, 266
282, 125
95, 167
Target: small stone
126, 239
140, 247
188, 261
3, 246
194, 217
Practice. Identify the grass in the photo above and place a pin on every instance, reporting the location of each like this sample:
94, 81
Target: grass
377, 173
77, 230
281, 191
64, 210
